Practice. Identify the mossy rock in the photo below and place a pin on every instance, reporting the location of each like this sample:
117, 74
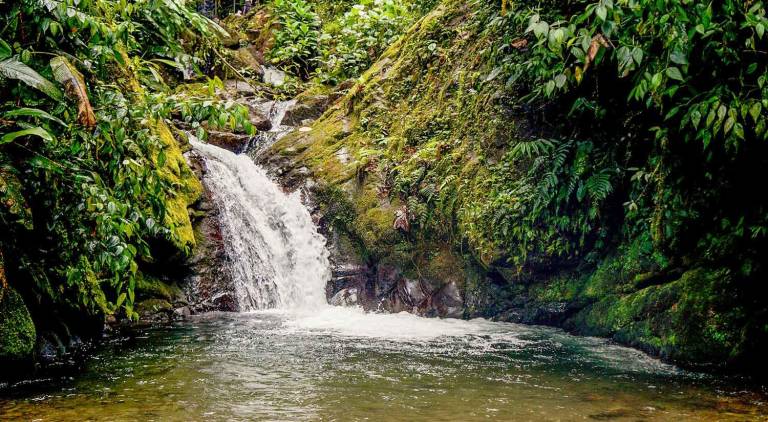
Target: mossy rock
150, 308
17, 331
177, 173
153, 288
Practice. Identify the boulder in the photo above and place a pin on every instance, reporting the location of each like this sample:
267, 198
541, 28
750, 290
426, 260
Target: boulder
247, 59
234, 142
306, 109
345, 297
447, 302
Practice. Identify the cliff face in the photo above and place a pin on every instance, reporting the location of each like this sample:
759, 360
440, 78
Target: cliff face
407, 168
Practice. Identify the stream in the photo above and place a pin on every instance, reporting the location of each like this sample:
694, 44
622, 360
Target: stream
291, 356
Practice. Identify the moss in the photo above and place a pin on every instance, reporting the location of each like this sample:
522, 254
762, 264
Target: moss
686, 320
152, 287
187, 189
149, 307
17, 331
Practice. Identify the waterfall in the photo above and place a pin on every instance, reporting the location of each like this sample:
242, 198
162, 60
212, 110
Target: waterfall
277, 257
275, 111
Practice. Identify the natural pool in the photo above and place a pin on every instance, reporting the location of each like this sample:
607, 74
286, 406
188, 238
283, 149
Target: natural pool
341, 364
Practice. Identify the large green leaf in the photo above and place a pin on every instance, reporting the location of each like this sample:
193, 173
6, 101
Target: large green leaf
32, 112
35, 131
5, 50
12, 68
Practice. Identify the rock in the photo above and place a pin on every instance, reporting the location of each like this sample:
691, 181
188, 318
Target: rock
345, 297
17, 331
259, 118
274, 77
153, 309
183, 312
234, 142
234, 88
247, 58
447, 302
208, 277
307, 108
386, 280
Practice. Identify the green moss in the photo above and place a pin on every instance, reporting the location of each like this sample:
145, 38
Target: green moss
17, 331
151, 287
187, 190
687, 320
149, 307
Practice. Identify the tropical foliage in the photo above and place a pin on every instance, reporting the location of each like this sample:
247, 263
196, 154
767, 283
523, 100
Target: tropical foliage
90, 177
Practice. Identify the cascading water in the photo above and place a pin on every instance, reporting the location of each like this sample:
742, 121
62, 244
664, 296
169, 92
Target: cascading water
275, 111
277, 257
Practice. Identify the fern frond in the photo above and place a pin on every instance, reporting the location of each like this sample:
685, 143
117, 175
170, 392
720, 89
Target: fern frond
532, 148
599, 186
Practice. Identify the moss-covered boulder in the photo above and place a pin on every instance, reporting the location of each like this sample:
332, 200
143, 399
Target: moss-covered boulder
17, 331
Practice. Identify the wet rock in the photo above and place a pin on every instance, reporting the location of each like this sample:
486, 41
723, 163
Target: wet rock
258, 119
345, 297
154, 310
306, 109
234, 142
183, 312
447, 302
209, 284
386, 280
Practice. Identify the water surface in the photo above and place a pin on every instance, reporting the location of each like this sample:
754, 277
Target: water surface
340, 364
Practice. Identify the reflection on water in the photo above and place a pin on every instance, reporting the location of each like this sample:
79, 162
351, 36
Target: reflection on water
340, 364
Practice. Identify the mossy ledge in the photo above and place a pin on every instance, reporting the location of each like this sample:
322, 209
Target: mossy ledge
421, 132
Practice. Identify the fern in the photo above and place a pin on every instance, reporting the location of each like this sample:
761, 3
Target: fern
532, 148
12, 68
598, 187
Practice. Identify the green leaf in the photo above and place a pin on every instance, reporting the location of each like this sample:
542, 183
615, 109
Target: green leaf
729, 125
35, 131
674, 73
678, 57
33, 112
760, 30
601, 12
5, 50
695, 118
14, 69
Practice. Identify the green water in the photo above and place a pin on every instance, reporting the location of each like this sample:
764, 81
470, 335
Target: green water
343, 365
